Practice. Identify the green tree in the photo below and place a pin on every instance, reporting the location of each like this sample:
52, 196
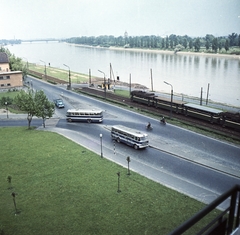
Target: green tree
167, 42
207, 45
163, 43
25, 102
209, 37
179, 47
44, 108
15, 63
215, 45
226, 46
35, 104
197, 44
185, 43
220, 45
190, 44
232, 39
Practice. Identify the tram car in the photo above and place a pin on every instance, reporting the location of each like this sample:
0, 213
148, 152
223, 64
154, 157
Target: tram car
204, 113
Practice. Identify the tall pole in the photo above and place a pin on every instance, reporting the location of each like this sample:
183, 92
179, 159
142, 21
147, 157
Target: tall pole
6, 108
104, 82
207, 94
151, 80
130, 84
171, 97
69, 76
112, 77
90, 80
45, 70
14, 202
128, 160
118, 182
201, 96
101, 145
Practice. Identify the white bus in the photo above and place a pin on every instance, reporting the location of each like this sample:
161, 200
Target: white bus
129, 136
84, 115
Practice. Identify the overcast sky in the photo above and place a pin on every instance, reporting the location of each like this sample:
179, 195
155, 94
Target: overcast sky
32, 19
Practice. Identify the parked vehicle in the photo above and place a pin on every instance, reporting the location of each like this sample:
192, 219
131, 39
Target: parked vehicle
129, 136
59, 103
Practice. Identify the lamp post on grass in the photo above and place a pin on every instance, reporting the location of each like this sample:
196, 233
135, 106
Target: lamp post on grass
101, 145
104, 82
128, 160
118, 173
6, 108
171, 97
69, 76
14, 202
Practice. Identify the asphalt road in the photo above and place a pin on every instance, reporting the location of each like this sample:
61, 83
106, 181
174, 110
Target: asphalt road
198, 166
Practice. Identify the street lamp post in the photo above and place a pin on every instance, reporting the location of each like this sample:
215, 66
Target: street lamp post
69, 76
101, 144
171, 98
104, 82
118, 174
6, 108
45, 70
128, 160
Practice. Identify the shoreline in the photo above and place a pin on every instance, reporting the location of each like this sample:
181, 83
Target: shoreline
161, 51
178, 53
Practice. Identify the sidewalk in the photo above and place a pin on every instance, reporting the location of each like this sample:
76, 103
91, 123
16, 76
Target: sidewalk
6, 116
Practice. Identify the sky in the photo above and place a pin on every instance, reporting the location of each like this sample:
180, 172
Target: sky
28, 19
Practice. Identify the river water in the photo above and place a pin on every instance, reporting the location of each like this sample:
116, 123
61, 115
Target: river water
188, 74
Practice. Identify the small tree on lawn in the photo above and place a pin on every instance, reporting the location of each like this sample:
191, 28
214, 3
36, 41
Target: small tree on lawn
35, 104
44, 108
26, 102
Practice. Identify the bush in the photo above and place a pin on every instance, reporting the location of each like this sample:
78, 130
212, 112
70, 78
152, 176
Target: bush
5, 99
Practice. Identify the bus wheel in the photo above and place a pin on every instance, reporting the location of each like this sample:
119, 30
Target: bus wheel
69, 120
89, 120
135, 146
118, 140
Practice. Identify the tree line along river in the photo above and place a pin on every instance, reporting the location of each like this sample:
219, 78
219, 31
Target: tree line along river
188, 73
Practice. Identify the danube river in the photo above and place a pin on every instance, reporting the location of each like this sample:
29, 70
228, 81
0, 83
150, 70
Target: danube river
187, 73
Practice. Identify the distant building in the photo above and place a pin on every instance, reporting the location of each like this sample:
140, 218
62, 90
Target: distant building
8, 78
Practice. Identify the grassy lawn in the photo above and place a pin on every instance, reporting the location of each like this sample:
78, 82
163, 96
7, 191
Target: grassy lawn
124, 93
60, 73
63, 188
11, 95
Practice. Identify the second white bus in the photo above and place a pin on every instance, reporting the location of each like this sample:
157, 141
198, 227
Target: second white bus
84, 115
129, 136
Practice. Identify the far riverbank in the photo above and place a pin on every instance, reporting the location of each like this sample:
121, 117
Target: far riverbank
163, 51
